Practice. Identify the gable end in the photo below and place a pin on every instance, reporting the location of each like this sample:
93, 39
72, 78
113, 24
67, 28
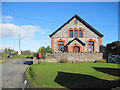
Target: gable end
81, 20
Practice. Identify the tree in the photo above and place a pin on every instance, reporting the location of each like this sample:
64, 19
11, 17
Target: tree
44, 50
49, 50
26, 52
8, 50
5, 50
113, 47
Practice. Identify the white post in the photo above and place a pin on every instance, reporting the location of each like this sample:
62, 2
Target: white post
19, 51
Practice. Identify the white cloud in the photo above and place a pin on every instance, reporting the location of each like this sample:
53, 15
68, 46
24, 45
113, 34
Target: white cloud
11, 30
7, 18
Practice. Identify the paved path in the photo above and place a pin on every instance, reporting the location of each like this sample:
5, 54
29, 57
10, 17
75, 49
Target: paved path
13, 73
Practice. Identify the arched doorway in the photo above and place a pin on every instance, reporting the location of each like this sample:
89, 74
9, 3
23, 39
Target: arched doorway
76, 49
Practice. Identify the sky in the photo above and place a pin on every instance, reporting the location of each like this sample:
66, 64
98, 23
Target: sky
35, 21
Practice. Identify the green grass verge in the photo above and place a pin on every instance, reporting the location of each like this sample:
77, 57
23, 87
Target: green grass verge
21, 56
44, 74
16, 56
5, 55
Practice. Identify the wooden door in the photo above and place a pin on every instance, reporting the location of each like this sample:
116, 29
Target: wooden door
76, 49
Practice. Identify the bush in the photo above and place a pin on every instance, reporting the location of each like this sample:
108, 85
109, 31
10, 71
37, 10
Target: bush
101, 61
37, 56
64, 60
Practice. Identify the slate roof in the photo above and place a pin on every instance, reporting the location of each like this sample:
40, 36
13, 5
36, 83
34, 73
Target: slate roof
77, 40
81, 20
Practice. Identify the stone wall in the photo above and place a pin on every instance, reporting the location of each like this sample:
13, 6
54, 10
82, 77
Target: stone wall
49, 58
81, 56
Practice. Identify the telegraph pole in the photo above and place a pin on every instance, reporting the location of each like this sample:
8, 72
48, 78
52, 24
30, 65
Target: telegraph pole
19, 51
19, 42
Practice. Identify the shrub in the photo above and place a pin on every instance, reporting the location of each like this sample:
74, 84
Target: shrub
37, 55
101, 60
64, 60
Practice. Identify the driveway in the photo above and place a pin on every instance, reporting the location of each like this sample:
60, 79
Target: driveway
13, 73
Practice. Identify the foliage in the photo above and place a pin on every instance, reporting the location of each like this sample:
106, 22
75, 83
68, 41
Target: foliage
5, 55
64, 60
8, 50
46, 73
39, 50
26, 52
113, 47
37, 56
48, 49
101, 61
43, 50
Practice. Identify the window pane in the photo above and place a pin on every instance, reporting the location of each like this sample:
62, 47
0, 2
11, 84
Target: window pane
89, 48
71, 33
92, 48
75, 33
61, 42
80, 33
59, 48
91, 42
62, 48
75, 21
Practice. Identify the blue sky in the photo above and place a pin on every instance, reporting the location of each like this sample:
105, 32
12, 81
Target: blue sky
37, 20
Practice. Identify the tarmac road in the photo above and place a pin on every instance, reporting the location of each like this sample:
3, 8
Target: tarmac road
13, 72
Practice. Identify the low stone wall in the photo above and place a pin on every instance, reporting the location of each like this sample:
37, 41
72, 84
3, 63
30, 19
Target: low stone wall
81, 56
50, 59
56, 57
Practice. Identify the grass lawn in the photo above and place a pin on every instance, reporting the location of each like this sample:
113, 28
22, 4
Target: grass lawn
5, 55
21, 56
71, 75
16, 56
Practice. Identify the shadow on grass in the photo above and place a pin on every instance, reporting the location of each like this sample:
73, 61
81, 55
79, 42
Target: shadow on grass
70, 80
111, 71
